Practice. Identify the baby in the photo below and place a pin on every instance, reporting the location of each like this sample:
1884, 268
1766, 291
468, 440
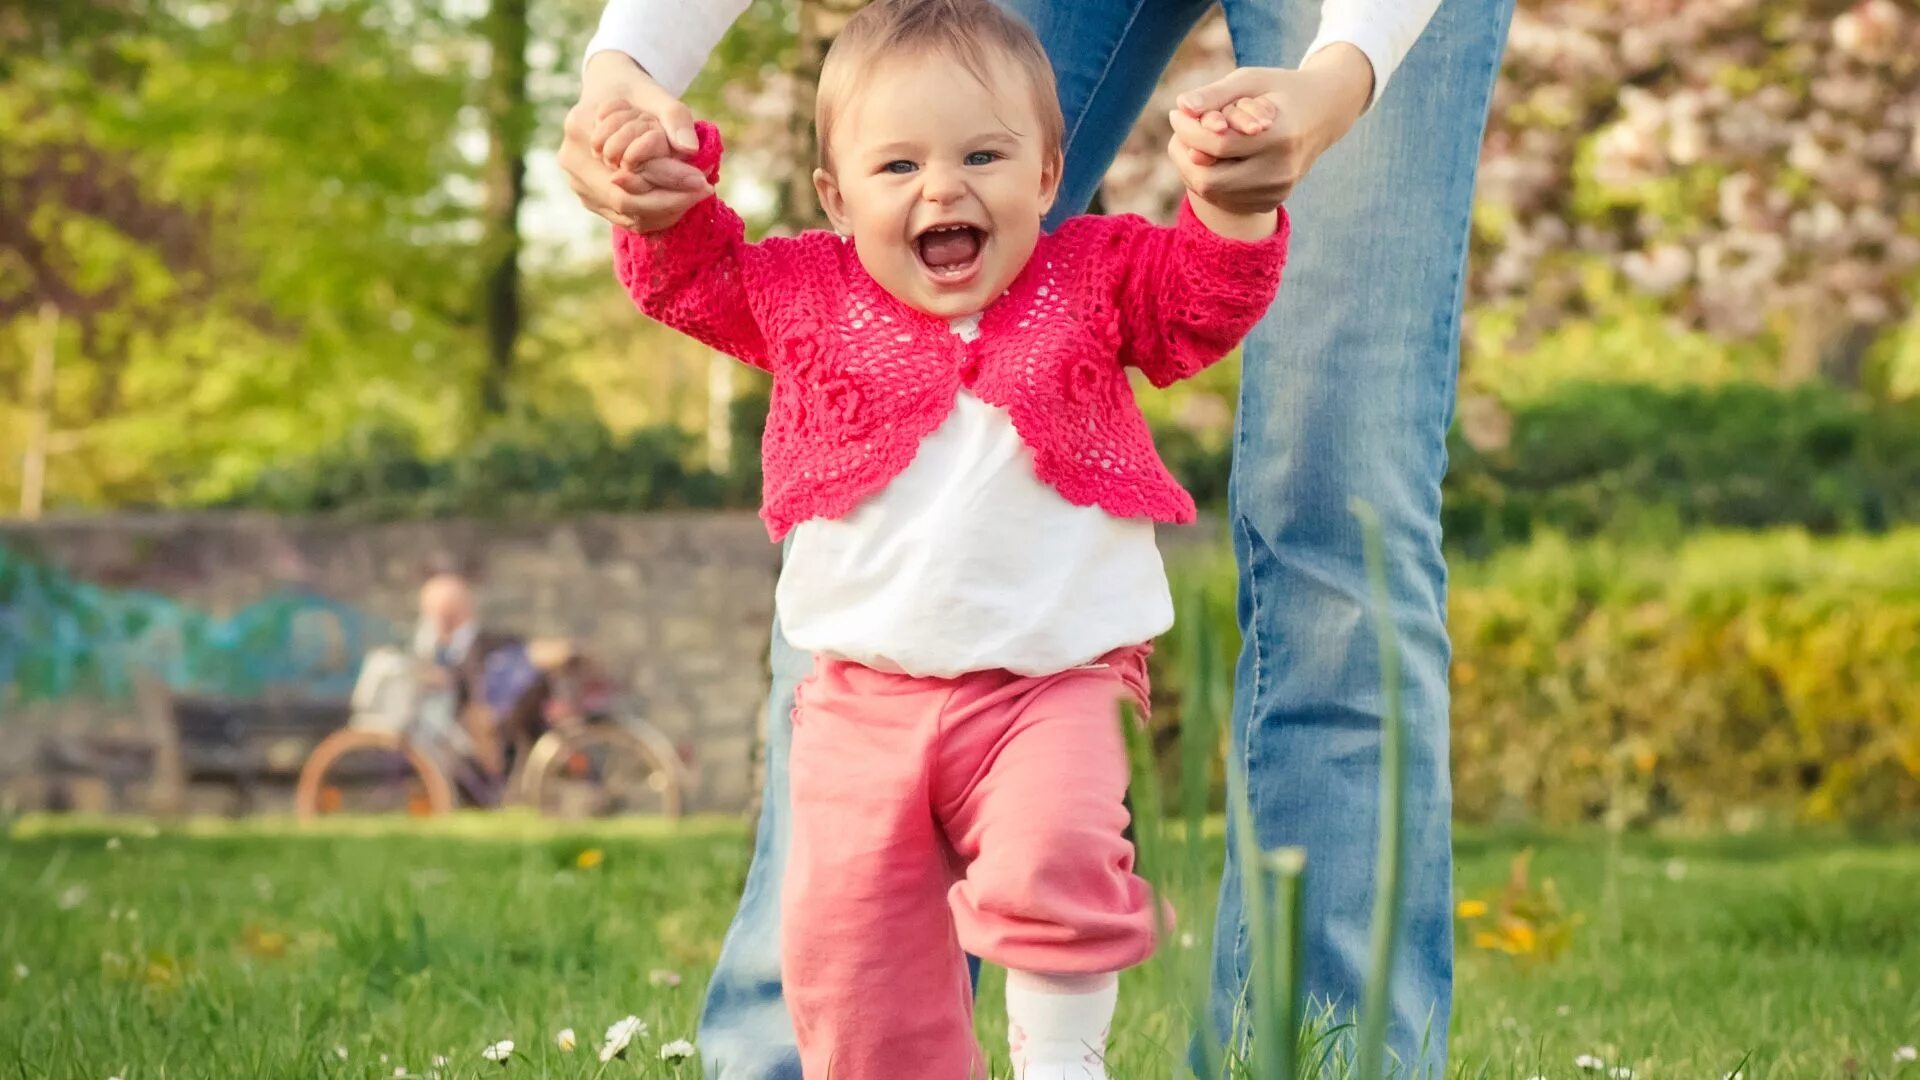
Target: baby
970, 492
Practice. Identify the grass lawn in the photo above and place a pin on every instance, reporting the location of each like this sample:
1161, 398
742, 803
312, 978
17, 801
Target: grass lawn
258, 950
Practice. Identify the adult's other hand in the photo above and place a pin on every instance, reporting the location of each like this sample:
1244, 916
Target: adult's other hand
626, 172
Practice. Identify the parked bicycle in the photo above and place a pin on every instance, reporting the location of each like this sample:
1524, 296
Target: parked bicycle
406, 749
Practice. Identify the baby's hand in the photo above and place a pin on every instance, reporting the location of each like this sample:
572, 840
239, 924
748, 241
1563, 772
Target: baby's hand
626, 138
1204, 173
1247, 115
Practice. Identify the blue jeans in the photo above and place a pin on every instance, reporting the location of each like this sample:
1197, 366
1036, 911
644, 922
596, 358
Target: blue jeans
1347, 390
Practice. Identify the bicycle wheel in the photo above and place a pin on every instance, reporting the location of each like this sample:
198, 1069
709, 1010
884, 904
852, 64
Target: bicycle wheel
370, 772
600, 771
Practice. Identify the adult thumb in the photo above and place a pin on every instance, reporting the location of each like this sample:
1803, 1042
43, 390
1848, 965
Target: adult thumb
675, 117
1224, 91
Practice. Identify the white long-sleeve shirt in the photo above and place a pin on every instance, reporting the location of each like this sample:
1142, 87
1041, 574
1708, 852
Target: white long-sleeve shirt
671, 39
967, 561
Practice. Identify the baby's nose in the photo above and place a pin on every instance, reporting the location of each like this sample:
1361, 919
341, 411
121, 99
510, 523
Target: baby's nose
942, 185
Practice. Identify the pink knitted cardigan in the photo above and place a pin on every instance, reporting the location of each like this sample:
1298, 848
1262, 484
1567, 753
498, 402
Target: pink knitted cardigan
860, 378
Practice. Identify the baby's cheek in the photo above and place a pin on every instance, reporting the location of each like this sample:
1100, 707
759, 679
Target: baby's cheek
887, 260
1016, 249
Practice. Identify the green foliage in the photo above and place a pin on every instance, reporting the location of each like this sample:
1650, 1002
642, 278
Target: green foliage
1730, 679
1651, 461
1738, 676
526, 469
247, 217
1637, 460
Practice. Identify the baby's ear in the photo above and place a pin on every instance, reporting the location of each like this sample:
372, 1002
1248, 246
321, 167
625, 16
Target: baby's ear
832, 201
1050, 172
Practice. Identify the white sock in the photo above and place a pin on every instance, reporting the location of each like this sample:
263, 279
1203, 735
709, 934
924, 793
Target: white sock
1057, 1024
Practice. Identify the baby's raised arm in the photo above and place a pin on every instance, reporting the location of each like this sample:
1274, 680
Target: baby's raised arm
701, 277
1186, 295
693, 275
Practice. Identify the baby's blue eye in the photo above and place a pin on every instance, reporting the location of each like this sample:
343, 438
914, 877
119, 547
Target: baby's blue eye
899, 168
982, 157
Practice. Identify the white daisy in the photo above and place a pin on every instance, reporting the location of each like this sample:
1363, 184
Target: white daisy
677, 1050
21, 971
1187, 940
499, 1051
113, 843
565, 1040
663, 977
439, 1061
340, 1052
399, 1070
1589, 1063
1621, 1072
620, 1035
1564, 1010
72, 898
1734, 1075
1676, 870
1906, 1053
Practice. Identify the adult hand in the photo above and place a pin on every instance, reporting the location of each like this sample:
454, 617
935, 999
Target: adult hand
1252, 167
618, 144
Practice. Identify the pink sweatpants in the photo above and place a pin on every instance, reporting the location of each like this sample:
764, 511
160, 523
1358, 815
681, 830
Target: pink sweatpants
930, 816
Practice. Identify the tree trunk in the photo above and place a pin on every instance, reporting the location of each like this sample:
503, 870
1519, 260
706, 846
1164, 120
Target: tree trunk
819, 23
33, 471
509, 125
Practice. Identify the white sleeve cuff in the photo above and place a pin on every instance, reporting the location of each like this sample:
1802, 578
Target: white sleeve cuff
1383, 30
671, 39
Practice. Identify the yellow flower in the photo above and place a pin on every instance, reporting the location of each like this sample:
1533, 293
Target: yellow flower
1644, 760
1522, 938
268, 943
1471, 909
161, 970
590, 858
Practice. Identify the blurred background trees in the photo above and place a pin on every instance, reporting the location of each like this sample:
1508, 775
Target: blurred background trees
316, 257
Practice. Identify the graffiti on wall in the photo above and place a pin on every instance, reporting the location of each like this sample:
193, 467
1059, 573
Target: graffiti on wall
63, 637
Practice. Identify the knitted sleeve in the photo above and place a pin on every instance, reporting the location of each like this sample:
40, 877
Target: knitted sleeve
1187, 295
702, 278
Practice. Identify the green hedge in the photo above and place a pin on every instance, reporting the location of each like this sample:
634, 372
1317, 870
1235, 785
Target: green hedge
549, 468
1732, 679
1633, 460
1624, 460
1645, 462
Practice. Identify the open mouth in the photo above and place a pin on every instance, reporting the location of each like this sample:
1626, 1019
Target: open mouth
951, 253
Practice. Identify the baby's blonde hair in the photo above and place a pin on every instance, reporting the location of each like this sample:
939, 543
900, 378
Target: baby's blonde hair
969, 32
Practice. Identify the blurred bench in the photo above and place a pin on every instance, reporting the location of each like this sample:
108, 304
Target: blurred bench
242, 744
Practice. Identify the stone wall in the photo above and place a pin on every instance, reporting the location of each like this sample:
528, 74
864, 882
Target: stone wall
676, 606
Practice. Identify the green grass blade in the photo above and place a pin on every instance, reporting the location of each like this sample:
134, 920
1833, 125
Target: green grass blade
1371, 1051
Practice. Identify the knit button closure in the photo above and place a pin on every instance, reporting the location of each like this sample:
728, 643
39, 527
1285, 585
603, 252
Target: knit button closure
969, 370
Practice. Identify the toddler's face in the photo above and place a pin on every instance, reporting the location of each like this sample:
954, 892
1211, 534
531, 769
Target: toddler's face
941, 181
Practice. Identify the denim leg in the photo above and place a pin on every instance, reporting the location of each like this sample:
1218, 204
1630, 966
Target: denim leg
1107, 55
745, 1032
1347, 390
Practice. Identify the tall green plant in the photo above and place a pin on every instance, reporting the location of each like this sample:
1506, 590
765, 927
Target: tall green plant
1387, 900
1272, 1038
